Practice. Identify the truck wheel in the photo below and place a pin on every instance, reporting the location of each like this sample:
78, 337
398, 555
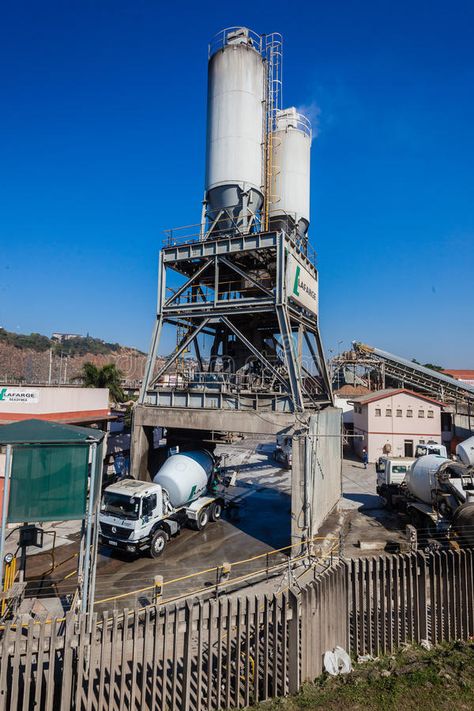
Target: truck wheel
216, 511
202, 519
158, 544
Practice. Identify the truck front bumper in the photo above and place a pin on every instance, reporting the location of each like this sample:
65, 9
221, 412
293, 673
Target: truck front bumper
127, 546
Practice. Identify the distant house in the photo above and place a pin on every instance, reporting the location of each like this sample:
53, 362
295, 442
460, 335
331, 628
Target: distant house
464, 376
394, 422
61, 337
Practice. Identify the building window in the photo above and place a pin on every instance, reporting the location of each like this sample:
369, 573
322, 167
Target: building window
409, 413
378, 412
399, 413
431, 414
421, 413
388, 412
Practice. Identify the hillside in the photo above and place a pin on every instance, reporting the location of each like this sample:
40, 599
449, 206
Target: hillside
26, 357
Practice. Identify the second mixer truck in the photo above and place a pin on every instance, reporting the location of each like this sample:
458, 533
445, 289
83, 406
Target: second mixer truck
437, 493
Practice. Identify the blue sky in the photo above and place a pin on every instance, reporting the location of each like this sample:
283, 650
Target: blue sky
102, 141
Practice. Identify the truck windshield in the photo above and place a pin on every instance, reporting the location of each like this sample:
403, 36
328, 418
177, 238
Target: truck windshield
119, 505
399, 469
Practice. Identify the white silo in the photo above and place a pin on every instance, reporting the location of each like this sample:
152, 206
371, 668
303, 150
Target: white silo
235, 128
290, 168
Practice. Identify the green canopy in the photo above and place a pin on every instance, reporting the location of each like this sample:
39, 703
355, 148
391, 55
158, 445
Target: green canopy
50, 470
45, 432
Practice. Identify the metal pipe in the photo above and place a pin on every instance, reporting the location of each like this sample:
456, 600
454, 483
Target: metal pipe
87, 556
6, 491
95, 545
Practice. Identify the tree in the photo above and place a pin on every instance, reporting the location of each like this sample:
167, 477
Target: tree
431, 366
107, 376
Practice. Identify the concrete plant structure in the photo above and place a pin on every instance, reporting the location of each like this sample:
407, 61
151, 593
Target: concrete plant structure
241, 288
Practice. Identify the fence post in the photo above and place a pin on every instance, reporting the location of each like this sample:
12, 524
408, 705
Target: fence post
294, 643
157, 589
67, 671
187, 659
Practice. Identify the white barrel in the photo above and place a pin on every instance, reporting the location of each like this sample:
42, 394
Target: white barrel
184, 477
235, 115
291, 157
421, 477
465, 451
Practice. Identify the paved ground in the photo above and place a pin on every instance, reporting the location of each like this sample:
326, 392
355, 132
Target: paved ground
366, 519
256, 522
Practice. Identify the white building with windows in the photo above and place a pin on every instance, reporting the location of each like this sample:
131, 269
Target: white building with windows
394, 422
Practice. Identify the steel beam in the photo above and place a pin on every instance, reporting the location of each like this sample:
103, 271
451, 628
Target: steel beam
285, 329
254, 350
244, 275
320, 362
155, 339
184, 345
189, 282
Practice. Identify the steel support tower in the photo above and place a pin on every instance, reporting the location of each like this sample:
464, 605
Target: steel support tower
264, 370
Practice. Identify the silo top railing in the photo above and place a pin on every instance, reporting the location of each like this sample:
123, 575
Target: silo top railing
249, 37
286, 119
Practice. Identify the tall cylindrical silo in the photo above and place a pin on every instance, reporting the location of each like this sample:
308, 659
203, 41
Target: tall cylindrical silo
290, 183
235, 124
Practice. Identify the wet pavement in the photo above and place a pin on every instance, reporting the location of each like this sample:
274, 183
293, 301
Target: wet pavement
365, 518
257, 521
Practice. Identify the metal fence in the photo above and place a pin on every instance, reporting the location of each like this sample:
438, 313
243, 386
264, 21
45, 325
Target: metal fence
232, 652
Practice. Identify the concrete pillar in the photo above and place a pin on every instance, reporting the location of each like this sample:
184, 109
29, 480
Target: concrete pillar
316, 483
298, 483
141, 442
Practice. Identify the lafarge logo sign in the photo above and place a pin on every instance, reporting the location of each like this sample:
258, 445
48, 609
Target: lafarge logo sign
301, 284
18, 396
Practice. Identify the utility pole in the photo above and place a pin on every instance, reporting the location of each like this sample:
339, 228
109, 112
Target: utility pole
50, 365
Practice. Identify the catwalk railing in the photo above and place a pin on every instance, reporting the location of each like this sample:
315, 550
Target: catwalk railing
235, 651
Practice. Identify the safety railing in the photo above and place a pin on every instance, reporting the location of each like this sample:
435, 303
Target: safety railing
236, 35
319, 553
221, 578
221, 382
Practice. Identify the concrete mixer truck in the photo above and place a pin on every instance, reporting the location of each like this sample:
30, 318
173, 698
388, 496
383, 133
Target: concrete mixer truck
438, 495
138, 516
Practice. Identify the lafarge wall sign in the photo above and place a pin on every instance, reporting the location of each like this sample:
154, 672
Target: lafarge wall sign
18, 396
301, 285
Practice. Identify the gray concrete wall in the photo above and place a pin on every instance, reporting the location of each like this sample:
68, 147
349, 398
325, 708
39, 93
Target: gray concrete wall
317, 473
145, 417
250, 422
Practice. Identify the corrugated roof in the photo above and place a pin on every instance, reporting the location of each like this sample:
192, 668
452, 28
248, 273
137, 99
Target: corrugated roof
388, 392
42, 431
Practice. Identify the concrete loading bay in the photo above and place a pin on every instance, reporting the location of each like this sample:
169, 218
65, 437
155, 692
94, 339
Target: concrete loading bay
253, 536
